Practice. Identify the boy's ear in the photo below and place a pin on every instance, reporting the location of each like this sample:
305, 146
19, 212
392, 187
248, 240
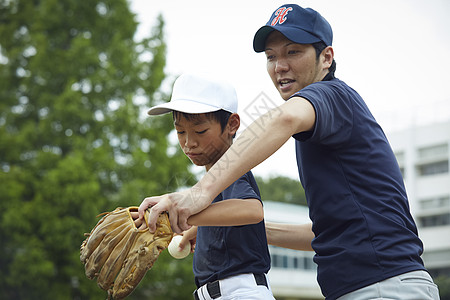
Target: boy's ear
234, 121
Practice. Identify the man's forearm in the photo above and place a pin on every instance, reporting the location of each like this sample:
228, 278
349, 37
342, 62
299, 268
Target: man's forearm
259, 141
292, 236
256, 143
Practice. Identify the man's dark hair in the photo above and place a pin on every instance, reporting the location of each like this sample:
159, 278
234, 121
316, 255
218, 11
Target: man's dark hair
319, 47
220, 116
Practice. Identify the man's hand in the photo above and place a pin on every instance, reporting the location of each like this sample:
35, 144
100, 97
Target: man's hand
179, 205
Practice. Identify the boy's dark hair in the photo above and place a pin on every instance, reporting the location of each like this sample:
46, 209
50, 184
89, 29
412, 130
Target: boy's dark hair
319, 47
220, 116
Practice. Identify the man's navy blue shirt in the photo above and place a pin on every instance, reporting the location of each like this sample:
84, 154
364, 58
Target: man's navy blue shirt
355, 192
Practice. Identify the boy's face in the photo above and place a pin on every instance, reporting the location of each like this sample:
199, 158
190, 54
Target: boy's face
202, 139
291, 66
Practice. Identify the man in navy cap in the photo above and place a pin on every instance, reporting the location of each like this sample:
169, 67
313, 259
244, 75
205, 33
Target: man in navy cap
364, 236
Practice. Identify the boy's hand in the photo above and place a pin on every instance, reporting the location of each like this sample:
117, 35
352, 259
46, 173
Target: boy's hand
138, 222
189, 237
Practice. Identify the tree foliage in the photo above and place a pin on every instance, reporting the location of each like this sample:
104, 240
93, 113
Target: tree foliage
443, 282
74, 86
282, 189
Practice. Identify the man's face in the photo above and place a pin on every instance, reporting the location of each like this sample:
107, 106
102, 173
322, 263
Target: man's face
291, 66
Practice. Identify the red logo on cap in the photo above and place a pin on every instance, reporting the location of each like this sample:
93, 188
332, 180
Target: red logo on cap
280, 15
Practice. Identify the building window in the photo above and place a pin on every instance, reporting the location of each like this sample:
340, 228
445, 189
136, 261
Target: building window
433, 160
433, 168
279, 261
433, 152
434, 211
435, 203
435, 220
291, 259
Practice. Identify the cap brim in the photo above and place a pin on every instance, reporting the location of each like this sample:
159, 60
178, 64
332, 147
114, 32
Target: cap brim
259, 40
186, 106
294, 34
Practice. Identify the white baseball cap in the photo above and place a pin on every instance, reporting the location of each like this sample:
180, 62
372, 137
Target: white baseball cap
196, 94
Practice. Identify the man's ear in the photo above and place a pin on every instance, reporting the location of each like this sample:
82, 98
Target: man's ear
327, 57
234, 121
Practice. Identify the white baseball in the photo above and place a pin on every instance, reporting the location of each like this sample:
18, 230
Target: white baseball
174, 250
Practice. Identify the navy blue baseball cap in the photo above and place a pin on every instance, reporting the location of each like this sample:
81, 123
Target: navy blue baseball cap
298, 24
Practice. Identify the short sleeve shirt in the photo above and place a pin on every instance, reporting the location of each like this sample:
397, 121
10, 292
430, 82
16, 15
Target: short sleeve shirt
226, 251
355, 192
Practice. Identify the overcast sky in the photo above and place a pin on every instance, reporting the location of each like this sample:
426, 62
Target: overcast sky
394, 53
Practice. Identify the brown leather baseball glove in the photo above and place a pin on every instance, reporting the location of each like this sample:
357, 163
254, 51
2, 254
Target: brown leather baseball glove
119, 254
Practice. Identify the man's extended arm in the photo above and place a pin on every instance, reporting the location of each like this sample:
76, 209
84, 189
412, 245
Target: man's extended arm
256, 143
292, 236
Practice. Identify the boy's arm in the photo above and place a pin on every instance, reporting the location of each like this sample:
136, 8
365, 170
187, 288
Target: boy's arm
292, 236
230, 212
256, 143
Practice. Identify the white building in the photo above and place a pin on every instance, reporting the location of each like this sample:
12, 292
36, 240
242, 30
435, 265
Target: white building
423, 154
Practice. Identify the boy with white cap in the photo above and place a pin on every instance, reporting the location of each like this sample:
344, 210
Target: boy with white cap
231, 256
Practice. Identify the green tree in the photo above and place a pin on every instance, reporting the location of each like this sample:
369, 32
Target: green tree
282, 189
443, 282
74, 86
